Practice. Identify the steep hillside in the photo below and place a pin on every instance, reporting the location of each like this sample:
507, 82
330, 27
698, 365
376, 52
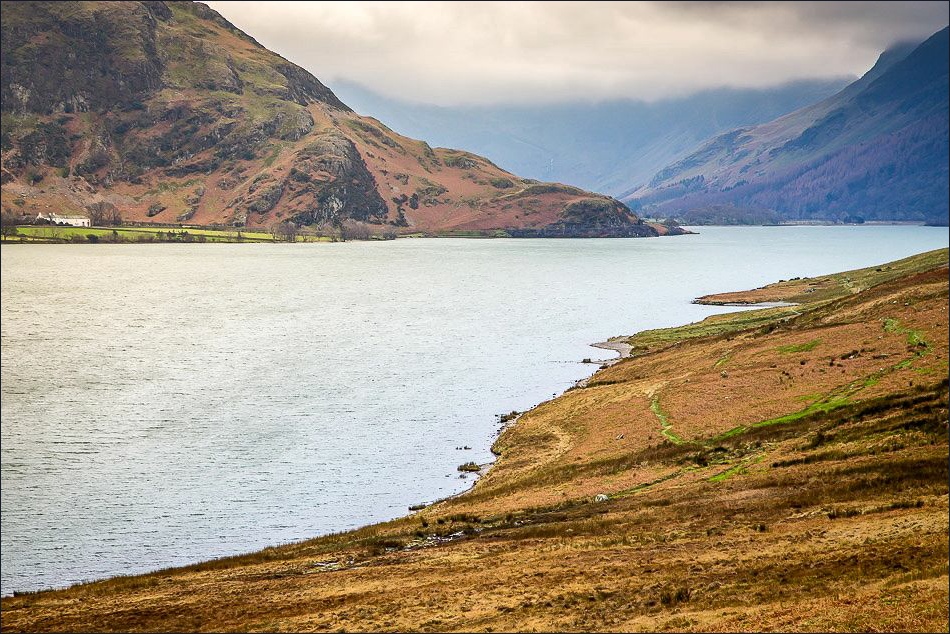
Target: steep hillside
173, 115
878, 150
779, 469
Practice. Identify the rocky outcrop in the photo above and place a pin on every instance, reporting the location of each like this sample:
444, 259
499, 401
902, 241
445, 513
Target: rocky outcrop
331, 174
592, 218
303, 88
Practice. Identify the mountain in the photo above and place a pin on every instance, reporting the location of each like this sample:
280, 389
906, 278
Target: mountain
877, 150
609, 147
169, 113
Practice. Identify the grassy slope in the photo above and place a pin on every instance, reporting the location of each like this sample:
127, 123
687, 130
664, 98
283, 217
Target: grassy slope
779, 472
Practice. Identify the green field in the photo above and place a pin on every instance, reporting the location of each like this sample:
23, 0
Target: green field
50, 234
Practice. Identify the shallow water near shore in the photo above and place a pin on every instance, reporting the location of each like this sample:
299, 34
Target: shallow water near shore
166, 404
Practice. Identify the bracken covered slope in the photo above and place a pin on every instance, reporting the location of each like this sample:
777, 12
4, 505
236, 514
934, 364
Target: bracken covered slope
173, 115
877, 150
777, 469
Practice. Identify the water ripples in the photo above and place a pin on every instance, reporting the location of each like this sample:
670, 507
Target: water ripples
167, 404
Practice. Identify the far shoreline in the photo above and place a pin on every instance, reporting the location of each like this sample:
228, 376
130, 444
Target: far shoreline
200, 234
130, 234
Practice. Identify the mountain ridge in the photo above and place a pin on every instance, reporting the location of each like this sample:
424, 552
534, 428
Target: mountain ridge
169, 113
877, 150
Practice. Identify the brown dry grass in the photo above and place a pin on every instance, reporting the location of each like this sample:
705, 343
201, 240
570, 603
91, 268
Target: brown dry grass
830, 517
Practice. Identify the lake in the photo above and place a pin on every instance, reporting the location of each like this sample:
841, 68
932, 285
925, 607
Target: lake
165, 404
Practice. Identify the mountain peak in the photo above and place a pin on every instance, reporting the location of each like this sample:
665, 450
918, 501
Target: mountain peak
890, 56
74, 57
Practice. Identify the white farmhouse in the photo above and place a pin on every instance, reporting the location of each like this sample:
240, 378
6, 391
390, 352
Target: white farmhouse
71, 221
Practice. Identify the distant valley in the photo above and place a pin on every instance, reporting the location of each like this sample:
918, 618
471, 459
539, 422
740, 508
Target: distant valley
877, 150
874, 149
609, 147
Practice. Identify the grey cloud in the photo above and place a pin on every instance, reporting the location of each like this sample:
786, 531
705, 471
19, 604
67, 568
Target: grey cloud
532, 52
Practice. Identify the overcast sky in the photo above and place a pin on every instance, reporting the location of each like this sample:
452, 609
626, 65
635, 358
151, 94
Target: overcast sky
452, 53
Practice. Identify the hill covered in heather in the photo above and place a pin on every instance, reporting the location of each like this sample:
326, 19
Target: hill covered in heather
169, 113
877, 150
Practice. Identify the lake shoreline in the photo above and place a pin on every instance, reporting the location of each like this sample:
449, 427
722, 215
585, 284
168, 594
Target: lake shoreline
558, 271
174, 234
509, 420
647, 527
153, 235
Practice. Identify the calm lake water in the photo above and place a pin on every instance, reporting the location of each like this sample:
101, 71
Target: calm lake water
165, 404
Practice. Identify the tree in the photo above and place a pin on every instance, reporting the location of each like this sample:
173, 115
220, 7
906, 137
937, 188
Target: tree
33, 177
285, 231
103, 212
113, 216
307, 234
8, 224
355, 230
329, 230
